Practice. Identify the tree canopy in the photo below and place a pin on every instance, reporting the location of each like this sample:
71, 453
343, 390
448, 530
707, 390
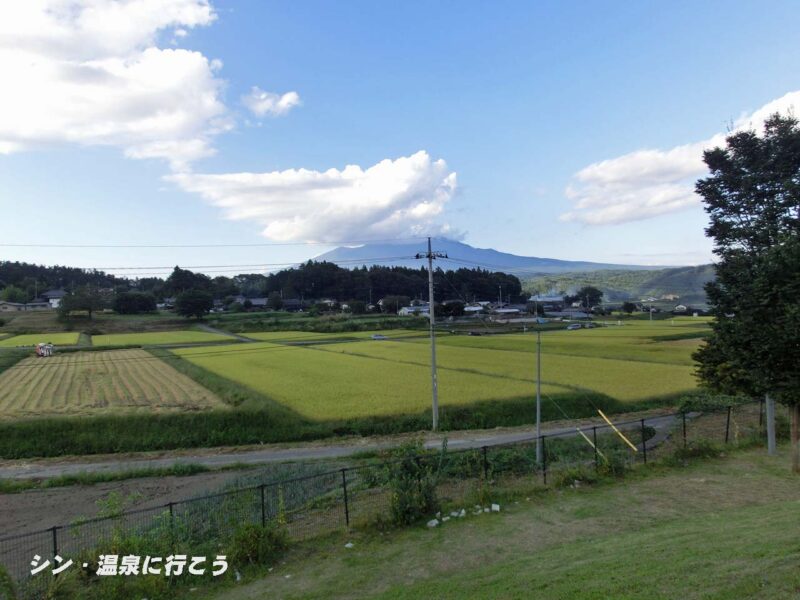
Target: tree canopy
752, 196
194, 303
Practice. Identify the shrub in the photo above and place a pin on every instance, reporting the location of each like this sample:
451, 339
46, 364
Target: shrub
699, 449
569, 475
7, 588
412, 481
256, 544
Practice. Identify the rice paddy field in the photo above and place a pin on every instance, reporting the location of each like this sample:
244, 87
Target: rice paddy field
58, 339
112, 382
633, 363
156, 338
282, 337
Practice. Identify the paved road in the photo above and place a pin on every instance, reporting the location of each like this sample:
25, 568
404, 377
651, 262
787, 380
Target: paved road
44, 470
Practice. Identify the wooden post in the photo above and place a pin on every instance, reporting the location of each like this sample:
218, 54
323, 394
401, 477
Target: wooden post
346, 503
728, 425
644, 444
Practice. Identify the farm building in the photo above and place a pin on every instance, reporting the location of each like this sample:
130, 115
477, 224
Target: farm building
23, 306
53, 297
548, 302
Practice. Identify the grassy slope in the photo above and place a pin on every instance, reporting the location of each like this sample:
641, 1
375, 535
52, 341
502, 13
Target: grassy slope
704, 531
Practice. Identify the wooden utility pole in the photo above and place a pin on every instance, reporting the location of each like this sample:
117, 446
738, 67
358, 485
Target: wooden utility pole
431, 255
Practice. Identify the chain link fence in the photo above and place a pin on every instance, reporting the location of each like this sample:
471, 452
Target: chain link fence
338, 500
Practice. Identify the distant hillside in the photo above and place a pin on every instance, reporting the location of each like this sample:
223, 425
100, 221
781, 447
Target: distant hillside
460, 254
618, 285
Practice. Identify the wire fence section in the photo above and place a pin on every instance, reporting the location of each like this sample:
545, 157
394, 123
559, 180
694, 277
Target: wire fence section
355, 496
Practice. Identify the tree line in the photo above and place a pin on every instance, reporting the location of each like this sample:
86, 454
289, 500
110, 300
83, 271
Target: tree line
308, 282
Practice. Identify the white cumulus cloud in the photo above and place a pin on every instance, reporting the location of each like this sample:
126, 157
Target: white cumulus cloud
648, 183
263, 103
90, 72
392, 198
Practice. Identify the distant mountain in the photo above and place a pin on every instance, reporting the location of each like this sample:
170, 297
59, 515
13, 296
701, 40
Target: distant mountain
462, 255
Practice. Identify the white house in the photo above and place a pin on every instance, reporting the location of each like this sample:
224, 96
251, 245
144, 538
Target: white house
54, 297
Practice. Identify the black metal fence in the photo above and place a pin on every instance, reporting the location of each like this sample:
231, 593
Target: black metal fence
356, 496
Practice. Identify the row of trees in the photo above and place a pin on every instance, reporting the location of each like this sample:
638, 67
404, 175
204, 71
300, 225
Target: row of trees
311, 280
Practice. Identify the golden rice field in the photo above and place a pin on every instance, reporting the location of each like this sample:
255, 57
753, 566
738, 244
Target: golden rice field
156, 338
98, 382
57, 339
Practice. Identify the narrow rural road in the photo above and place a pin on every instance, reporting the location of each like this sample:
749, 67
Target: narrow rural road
44, 469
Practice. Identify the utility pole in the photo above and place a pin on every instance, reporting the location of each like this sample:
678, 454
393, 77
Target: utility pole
770, 425
430, 255
538, 396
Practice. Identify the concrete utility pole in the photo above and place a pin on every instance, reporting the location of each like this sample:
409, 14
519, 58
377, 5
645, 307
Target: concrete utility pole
538, 396
430, 255
770, 425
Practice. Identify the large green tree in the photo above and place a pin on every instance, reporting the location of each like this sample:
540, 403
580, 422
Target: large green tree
194, 303
752, 196
86, 299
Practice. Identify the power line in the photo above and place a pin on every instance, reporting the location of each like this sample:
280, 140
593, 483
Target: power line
253, 245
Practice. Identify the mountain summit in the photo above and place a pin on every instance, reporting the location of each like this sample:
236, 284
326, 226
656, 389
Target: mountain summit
461, 255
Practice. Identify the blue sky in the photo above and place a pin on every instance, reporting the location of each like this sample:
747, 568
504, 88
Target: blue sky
485, 121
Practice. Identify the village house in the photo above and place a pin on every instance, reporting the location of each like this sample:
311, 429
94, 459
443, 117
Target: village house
37, 304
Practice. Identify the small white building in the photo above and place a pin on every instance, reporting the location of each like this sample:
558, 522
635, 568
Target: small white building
410, 311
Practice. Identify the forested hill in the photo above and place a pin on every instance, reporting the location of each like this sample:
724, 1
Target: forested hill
685, 282
32, 278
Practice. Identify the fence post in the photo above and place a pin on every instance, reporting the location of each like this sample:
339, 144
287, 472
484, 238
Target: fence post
485, 465
544, 460
596, 456
171, 525
55, 543
683, 414
760, 414
346, 503
644, 444
263, 507
728, 425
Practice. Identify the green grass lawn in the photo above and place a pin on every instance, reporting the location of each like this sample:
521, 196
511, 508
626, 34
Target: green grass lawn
155, 338
721, 529
31, 339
